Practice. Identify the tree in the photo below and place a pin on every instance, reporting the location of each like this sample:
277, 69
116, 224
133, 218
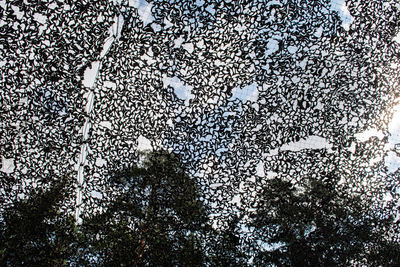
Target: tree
318, 225
157, 219
226, 245
37, 231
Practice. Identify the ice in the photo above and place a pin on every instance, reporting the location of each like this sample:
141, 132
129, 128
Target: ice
90, 74
144, 10
247, 93
7, 165
311, 142
181, 90
144, 144
341, 8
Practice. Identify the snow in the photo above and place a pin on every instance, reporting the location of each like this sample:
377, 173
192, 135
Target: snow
318, 32
90, 74
178, 42
292, 49
199, 2
106, 46
89, 102
17, 12
7, 165
188, 47
341, 8
108, 84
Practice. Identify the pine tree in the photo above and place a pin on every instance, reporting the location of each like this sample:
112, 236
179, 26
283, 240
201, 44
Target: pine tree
157, 219
38, 230
319, 224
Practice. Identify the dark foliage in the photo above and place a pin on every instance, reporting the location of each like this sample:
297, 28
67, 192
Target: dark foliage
37, 231
320, 224
158, 218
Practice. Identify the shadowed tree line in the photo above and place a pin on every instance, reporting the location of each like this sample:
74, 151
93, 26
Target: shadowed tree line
159, 218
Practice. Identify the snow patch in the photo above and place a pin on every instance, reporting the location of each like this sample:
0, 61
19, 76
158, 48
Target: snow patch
7, 165
188, 47
292, 49
178, 42
108, 84
392, 160
106, 46
17, 12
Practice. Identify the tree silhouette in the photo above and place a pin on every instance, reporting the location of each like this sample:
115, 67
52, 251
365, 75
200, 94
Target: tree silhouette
37, 231
157, 219
319, 225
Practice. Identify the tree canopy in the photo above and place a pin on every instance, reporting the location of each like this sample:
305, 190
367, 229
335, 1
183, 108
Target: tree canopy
157, 216
319, 223
38, 230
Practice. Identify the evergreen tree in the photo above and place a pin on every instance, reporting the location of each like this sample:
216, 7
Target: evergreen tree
37, 230
319, 224
158, 218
